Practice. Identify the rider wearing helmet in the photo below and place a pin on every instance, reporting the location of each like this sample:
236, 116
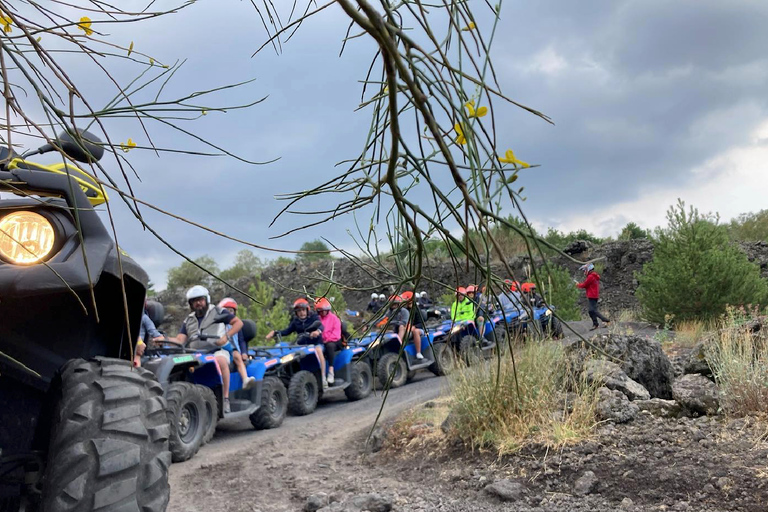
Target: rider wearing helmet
401, 321
147, 331
478, 315
374, 305
201, 321
305, 324
462, 308
510, 299
237, 347
424, 302
591, 285
331, 336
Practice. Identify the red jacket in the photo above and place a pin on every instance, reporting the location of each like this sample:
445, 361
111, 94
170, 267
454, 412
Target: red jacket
592, 285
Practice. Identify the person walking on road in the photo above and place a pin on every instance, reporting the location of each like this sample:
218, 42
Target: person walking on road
591, 285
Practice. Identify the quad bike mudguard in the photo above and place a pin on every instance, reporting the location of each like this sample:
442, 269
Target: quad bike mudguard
70, 307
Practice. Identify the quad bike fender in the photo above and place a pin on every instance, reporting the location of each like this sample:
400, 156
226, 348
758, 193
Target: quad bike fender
343, 358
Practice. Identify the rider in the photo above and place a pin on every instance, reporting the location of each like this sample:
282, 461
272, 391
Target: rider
462, 308
237, 347
529, 293
478, 311
308, 328
401, 321
424, 301
511, 299
591, 285
147, 331
374, 305
201, 321
331, 335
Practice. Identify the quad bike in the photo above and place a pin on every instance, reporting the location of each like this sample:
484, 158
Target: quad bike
467, 343
193, 387
300, 372
395, 365
80, 426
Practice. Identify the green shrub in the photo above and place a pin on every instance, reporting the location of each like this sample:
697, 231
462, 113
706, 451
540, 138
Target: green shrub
333, 294
696, 271
269, 311
187, 275
633, 232
558, 289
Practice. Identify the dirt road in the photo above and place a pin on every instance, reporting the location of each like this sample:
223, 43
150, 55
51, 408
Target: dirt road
274, 470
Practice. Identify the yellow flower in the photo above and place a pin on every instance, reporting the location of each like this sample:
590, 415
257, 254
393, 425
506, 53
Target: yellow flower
130, 49
461, 139
509, 158
480, 112
471, 26
128, 145
85, 25
5, 21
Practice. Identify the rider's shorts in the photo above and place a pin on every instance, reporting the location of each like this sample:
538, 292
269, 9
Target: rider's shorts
223, 353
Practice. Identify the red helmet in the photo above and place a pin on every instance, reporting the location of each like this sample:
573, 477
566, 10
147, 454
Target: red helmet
528, 287
323, 304
228, 302
300, 304
471, 289
514, 286
406, 296
461, 290
395, 299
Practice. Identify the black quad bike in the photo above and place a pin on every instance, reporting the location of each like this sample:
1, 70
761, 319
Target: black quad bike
80, 427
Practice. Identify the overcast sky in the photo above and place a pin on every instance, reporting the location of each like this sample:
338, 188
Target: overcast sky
651, 100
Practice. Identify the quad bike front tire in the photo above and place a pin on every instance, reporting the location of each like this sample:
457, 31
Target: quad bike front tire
390, 363
273, 407
186, 416
361, 381
211, 417
556, 328
469, 348
109, 440
303, 393
444, 360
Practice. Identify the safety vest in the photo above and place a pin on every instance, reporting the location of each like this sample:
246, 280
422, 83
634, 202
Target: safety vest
464, 310
206, 326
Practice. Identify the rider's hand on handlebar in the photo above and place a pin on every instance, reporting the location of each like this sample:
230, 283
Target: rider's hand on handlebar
270, 335
314, 334
223, 341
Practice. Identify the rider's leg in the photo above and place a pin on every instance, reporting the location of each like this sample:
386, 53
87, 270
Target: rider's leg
480, 322
330, 351
416, 339
223, 363
321, 360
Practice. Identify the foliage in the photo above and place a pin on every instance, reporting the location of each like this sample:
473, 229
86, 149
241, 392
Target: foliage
488, 412
560, 239
187, 274
696, 272
739, 362
749, 226
246, 264
333, 294
559, 290
633, 232
283, 261
267, 311
314, 245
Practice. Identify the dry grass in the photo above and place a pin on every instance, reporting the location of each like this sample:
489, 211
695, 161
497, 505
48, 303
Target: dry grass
739, 362
627, 315
689, 332
488, 413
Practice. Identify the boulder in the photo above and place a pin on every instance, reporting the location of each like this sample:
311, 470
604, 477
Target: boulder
660, 408
696, 362
315, 502
614, 406
585, 484
642, 359
696, 394
372, 502
611, 376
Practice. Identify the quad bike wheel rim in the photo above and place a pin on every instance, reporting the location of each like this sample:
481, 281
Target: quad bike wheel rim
275, 402
309, 392
189, 420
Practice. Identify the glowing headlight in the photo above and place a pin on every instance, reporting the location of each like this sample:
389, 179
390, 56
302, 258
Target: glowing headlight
456, 328
25, 237
287, 359
548, 312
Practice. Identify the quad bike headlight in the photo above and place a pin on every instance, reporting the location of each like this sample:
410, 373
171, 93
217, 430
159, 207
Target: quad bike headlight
287, 359
26, 237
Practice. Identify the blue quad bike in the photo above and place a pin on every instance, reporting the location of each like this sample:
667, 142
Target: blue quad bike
395, 365
466, 341
193, 388
299, 371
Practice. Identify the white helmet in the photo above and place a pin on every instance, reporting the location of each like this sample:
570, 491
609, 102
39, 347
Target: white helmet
198, 291
423, 294
374, 296
382, 296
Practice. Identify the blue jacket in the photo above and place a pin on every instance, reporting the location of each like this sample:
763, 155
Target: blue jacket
301, 326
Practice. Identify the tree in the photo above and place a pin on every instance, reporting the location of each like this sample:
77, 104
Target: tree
633, 232
314, 245
558, 289
246, 264
696, 272
269, 313
750, 226
187, 274
333, 294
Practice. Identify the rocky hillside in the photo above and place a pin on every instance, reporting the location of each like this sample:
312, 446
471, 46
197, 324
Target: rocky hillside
617, 261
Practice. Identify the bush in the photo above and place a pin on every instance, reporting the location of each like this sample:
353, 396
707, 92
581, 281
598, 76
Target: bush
750, 226
246, 264
314, 245
739, 362
487, 415
633, 232
269, 311
558, 289
333, 294
696, 272
187, 275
